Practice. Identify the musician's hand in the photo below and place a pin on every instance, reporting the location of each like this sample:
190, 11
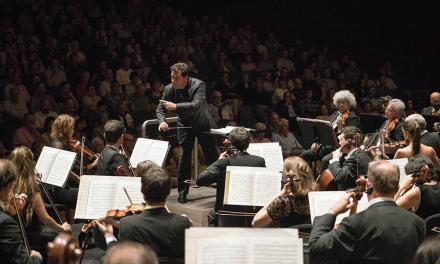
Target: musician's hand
20, 200
337, 154
92, 165
105, 228
340, 122
224, 155
168, 105
38, 178
315, 147
347, 202
66, 227
406, 185
163, 127
287, 188
36, 254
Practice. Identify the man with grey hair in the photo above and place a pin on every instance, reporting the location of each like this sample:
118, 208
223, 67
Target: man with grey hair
129, 252
434, 109
186, 96
427, 138
373, 235
395, 114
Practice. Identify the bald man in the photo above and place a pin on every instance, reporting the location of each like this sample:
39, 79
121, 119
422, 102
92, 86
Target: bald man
434, 109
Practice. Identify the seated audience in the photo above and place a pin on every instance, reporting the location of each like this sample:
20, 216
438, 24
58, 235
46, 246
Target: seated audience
288, 142
260, 134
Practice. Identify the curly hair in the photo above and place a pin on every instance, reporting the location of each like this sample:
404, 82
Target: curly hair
345, 95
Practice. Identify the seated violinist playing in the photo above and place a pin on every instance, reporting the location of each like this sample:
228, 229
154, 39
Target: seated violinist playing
412, 132
291, 206
163, 231
394, 112
421, 192
112, 162
41, 228
345, 116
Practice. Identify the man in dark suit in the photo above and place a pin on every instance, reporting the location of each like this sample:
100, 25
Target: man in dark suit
348, 161
186, 96
383, 233
12, 249
431, 139
111, 162
215, 173
434, 109
163, 231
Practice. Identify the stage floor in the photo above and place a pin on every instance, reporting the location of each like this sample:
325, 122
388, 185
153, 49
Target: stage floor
200, 201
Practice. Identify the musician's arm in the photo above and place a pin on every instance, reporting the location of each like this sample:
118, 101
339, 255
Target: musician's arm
212, 174
410, 199
194, 105
117, 161
343, 173
41, 212
160, 110
398, 154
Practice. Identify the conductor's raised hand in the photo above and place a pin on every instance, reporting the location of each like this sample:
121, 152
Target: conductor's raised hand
163, 127
168, 105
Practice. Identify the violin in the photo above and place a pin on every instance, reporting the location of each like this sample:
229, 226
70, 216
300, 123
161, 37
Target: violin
344, 116
426, 175
390, 126
75, 146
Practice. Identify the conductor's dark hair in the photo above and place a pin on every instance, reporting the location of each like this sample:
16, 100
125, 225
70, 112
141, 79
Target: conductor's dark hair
113, 130
156, 184
7, 172
182, 67
240, 138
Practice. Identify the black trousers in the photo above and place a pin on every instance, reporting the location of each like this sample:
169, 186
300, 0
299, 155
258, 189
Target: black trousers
186, 142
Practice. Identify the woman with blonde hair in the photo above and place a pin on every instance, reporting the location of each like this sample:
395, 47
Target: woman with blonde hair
34, 211
291, 206
412, 133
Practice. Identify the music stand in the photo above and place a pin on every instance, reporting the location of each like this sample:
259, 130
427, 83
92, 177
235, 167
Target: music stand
371, 123
430, 120
316, 131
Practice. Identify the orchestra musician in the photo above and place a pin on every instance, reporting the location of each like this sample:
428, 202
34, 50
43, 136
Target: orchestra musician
163, 231
412, 133
420, 193
431, 139
239, 138
291, 206
345, 116
186, 96
434, 109
111, 158
348, 161
60, 136
394, 112
41, 228
12, 248
355, 240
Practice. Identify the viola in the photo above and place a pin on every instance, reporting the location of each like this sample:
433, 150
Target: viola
391, 125
75, 146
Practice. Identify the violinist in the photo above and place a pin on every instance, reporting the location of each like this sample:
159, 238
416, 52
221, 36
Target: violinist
164, 232
348, 161
356, 238
12, 248
61, 132
394, 112
412, 132
421, 192
41, 228
111, 158
345, 116
239, 138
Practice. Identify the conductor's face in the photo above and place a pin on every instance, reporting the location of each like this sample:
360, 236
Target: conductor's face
178, 81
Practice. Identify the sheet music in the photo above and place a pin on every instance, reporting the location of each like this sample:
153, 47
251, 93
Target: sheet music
270, 152
401, 164
321, 202
149, 149
45, 161
55, 165
252, 186
98, 194
243, 245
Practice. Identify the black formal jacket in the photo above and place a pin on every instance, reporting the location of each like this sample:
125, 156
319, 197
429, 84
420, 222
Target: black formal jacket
215, 173
109, 160
164, 232
346, 171
384, 233
194, 112
427, 110
431, 139
12, 249
352, 120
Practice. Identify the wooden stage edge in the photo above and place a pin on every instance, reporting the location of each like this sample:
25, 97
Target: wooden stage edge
200, 201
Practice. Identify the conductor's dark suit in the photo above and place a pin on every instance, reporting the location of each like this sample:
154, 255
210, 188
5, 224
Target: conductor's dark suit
215, 173
164, 232
192, 110
384, 233
12, 249
345, 171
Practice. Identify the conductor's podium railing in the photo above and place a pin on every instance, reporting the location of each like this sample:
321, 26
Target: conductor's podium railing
172, 121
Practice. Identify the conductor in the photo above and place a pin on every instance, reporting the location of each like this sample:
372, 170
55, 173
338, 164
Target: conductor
186, 96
